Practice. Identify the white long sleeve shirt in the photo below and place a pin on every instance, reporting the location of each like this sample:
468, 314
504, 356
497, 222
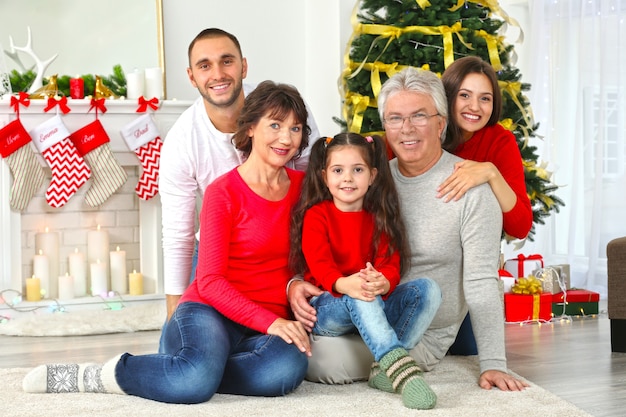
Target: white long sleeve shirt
194, 154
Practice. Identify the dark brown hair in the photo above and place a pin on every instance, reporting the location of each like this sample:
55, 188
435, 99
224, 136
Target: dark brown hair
452, 79
211, 33
381, 198
276, 101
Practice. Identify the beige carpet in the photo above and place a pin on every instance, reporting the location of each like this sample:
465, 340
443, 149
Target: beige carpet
454, 381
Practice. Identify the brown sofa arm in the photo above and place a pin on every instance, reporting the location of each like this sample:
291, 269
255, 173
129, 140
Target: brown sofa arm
616, 271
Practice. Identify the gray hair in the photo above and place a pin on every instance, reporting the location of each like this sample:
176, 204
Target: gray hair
418, 81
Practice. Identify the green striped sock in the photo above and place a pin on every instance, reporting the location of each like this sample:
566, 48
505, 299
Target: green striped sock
406, 378
378, 379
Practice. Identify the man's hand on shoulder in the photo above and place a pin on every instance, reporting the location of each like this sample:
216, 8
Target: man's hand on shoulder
298, 295
501, 380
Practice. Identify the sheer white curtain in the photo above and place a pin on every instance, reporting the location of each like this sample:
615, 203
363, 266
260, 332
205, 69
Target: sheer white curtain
578, 78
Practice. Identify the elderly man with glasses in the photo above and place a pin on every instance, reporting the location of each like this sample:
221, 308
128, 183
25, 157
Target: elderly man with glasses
457, 244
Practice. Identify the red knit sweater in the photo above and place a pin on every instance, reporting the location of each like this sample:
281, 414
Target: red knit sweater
243, 252
337, 244
498, 146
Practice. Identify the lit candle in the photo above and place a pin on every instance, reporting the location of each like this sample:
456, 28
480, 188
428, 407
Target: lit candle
135, 281
78, 270
134, 84
77, 87
98, 278
41, 270
66, 287
98, 248
154, 83
47, 243
33, 289
118, 271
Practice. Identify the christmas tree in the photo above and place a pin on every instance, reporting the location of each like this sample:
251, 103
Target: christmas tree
390, 35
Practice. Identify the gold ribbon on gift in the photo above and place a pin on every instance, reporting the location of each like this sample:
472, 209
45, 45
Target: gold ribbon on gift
527, 286
536, 306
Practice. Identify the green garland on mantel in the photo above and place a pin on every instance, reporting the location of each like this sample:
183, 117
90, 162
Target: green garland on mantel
116, 82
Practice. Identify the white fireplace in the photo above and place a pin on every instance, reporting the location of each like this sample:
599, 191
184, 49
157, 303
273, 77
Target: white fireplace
133, 224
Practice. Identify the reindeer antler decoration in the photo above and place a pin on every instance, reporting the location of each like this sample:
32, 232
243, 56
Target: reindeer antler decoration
41, 65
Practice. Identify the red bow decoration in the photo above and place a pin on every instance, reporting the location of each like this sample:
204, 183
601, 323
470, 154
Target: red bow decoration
520, 262
23, 99
153, 103
62, 103
98, 104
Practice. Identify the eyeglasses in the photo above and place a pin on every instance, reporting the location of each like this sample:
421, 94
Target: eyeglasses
417, 119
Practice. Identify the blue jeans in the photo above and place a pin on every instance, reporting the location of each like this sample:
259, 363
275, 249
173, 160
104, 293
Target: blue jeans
192, 276
205, 353
384, 325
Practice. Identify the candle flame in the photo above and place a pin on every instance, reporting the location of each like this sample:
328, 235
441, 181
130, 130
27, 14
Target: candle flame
40, 252
98, 228
118, 249
75, 250
46, 229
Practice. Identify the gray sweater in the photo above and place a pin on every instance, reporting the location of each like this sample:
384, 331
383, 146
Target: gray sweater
457, 244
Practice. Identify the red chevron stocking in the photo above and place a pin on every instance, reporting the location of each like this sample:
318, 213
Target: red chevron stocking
108, 176
28, 174
142, 136
69, 171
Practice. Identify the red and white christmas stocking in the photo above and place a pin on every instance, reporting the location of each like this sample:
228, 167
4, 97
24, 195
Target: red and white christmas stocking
27, 172
107, 175
69, 171
142, 136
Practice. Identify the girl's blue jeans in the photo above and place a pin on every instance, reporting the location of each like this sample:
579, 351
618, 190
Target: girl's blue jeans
384, 325
204, 353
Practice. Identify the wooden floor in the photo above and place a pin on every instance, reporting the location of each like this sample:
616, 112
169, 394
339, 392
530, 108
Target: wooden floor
572, 360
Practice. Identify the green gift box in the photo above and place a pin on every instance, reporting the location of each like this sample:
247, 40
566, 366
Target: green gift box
576, 303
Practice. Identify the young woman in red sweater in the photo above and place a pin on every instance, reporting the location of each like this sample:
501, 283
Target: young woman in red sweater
348, 238
491, 155
232, 331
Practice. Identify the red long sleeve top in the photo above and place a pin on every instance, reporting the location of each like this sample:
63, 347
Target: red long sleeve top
337, 244
243, 252
498, 146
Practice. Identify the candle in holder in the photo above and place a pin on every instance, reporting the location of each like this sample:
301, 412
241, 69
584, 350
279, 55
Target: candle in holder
66, 287
41, 270
98, 278
47, 243
134, 84
98, 248
119, 282
78, 270
154, 83
77, 87
135, 281
33, 289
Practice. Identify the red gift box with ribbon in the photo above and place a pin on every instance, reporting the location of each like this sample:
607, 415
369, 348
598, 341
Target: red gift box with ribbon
527, 307
524, 265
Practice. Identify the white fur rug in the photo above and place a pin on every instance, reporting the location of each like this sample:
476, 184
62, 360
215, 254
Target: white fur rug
144, 316
454, 381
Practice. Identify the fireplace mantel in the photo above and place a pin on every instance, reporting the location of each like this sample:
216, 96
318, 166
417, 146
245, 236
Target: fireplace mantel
118, 114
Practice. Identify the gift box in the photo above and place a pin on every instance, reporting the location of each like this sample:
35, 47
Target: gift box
523, 265
527, 307
551, 281
563, 273
576, 303
507, 280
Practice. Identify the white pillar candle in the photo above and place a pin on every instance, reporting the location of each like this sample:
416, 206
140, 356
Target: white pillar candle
154, 83
135, 281
98, 249
135, 84
41, 270
117, 260
48, 243
66, 287
78, 270
98, 278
